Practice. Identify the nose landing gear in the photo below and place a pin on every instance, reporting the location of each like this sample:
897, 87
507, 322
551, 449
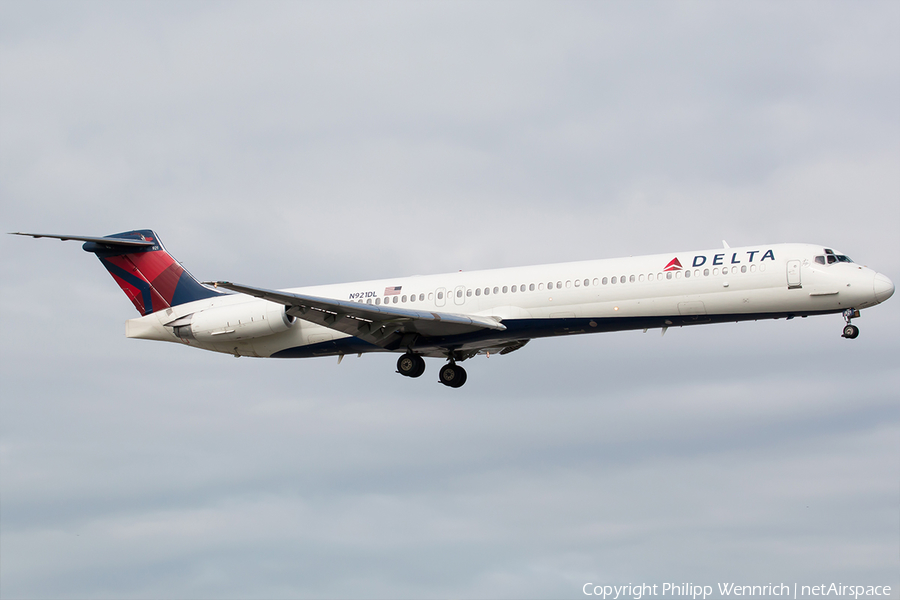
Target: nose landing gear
850, 331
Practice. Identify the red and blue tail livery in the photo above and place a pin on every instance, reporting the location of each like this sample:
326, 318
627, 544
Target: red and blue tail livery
151, 278
457, 316
148, 275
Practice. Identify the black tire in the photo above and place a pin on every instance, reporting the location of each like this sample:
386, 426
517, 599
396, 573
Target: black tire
462, 376
448, 375
407, 364
851, 332
420, 367
453, 376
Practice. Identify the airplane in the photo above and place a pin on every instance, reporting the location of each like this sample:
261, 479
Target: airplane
456, 316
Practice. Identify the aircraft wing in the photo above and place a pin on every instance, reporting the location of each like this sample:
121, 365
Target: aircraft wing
376, 324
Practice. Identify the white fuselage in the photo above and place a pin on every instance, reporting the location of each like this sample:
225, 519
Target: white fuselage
730, 284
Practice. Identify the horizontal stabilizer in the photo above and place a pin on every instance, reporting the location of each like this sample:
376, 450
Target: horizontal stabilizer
109, 241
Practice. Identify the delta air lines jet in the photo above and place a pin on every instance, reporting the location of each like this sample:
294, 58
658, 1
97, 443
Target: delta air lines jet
456, 316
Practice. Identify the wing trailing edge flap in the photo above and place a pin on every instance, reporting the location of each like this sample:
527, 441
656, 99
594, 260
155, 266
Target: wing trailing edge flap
376, 324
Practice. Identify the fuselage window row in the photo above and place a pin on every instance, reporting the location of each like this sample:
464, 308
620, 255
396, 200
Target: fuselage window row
550, 285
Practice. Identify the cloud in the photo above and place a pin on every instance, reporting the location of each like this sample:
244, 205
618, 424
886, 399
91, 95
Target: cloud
293, 144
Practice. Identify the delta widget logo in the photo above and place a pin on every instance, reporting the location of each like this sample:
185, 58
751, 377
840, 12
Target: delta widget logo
674, 265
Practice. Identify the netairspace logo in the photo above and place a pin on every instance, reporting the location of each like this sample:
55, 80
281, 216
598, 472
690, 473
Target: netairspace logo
725, 590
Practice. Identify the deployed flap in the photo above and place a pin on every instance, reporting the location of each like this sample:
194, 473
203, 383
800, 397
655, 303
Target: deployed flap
375, 324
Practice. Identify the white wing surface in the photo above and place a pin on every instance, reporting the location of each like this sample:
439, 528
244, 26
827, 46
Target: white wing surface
379, 325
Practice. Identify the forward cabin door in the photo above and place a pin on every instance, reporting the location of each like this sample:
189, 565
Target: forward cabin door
793, 274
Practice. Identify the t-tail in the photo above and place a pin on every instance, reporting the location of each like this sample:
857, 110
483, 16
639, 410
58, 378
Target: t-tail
151, 278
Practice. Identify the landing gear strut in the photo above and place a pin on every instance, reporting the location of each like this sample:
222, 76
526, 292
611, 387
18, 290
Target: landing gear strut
452, 375
850, 331
411, 365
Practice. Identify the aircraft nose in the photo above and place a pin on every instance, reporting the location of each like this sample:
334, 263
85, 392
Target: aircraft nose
884, 288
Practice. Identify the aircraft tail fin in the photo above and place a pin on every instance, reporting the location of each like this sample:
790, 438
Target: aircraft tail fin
151, 278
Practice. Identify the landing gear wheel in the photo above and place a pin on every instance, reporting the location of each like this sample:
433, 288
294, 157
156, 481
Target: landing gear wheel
411, 365
452, 375
850, 331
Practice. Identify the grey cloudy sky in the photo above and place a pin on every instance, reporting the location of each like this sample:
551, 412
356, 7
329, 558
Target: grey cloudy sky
283, 144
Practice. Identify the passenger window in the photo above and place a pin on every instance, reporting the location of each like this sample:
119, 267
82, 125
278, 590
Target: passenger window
549, 285
568, 283
422, 297
743, 268
377, 301
669, 275
504, 289
477, 291
469, 293
531, 287
586, 282
487, 291
459, 293
605, 280
641, 277
622, 279
716, 271
513, 289
687, 274
559, 285
577, 283
540, 286
631, 279
440, 295
596, 281
677, 274
706, 272
431, 295
396, 298
404, 298
752, 268
497, 290
613, 280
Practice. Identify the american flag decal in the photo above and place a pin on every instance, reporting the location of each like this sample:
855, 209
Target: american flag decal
392, 291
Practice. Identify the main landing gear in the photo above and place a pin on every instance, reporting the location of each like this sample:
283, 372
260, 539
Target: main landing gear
413, 365
452, 375
850, 331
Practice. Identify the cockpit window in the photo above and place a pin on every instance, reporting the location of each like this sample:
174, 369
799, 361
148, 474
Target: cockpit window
832, 258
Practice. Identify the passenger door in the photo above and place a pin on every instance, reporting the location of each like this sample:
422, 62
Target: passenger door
793, 274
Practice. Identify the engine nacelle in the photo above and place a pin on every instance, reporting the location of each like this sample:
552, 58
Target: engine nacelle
238, 322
